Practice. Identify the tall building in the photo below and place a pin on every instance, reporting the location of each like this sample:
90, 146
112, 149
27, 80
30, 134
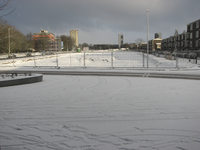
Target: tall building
74, 36
120, 40
46, 41
158, 35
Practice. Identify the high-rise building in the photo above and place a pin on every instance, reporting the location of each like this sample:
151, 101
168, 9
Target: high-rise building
158, 35
120, 40
74, 36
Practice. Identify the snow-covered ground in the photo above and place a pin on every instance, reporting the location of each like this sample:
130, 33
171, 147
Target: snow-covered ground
97, 59
101, 113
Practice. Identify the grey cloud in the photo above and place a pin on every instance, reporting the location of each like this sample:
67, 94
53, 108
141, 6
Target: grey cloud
105, 17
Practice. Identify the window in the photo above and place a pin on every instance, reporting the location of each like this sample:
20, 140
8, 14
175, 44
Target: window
190, 43
190, 35
197, 24
181, 44
179, 37
197, 34
197, 43
191, 27
183, 36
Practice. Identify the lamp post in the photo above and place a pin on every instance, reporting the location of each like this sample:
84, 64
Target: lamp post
175, 45
67, 45
9, 41
147, 38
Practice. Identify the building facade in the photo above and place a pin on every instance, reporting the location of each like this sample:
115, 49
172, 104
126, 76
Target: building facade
189, 40
158, 35
120, 40
193, 40
74, 37
46, 41
155, 44
168, 44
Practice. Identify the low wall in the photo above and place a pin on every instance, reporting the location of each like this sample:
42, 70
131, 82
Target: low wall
21, 80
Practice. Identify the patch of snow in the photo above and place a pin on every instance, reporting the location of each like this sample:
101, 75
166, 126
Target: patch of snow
94, 112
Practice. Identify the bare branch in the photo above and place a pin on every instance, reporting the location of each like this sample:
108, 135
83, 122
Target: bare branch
5, 5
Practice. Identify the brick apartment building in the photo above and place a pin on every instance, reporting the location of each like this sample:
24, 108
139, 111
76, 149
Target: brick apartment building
46, 41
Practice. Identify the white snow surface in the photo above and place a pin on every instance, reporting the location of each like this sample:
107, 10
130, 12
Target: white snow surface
65, 112
98, 113
97, 59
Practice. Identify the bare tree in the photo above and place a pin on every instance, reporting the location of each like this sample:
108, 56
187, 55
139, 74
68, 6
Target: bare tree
30, 42
17, 40
42, 43
85, 45
5, 5
139, 42
67, 42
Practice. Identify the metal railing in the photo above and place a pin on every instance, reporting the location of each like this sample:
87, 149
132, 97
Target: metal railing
97, 59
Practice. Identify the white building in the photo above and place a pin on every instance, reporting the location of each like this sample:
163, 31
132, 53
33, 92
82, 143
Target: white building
120, 40
74, 36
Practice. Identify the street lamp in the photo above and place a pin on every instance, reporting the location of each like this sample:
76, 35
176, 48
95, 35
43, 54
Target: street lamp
67, 45
9, 41
147, 38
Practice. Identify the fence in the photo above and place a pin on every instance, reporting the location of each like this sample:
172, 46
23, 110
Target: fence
97, 59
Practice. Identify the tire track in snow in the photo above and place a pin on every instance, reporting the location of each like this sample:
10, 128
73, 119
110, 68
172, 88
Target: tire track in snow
123, 88
63, 84
101, 81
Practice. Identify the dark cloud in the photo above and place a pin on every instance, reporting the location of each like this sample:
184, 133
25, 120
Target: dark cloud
100, 21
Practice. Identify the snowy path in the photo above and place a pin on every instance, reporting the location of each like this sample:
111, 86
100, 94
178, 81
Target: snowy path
96, 112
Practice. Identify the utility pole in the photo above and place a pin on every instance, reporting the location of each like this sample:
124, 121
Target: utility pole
9, 42
147, 38
67, 45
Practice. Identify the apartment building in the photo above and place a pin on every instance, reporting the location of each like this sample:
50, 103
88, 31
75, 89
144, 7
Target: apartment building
168, 43
193, 36
46, 41
189, 40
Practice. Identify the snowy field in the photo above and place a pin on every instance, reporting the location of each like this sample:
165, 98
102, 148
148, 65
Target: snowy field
127, 59
101, 113
65, 112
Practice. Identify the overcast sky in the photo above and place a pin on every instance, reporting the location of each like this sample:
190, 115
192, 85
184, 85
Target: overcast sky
100, 21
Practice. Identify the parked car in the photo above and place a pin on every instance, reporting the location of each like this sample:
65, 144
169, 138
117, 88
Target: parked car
174, 53
12, 56
192, 55
28, 54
